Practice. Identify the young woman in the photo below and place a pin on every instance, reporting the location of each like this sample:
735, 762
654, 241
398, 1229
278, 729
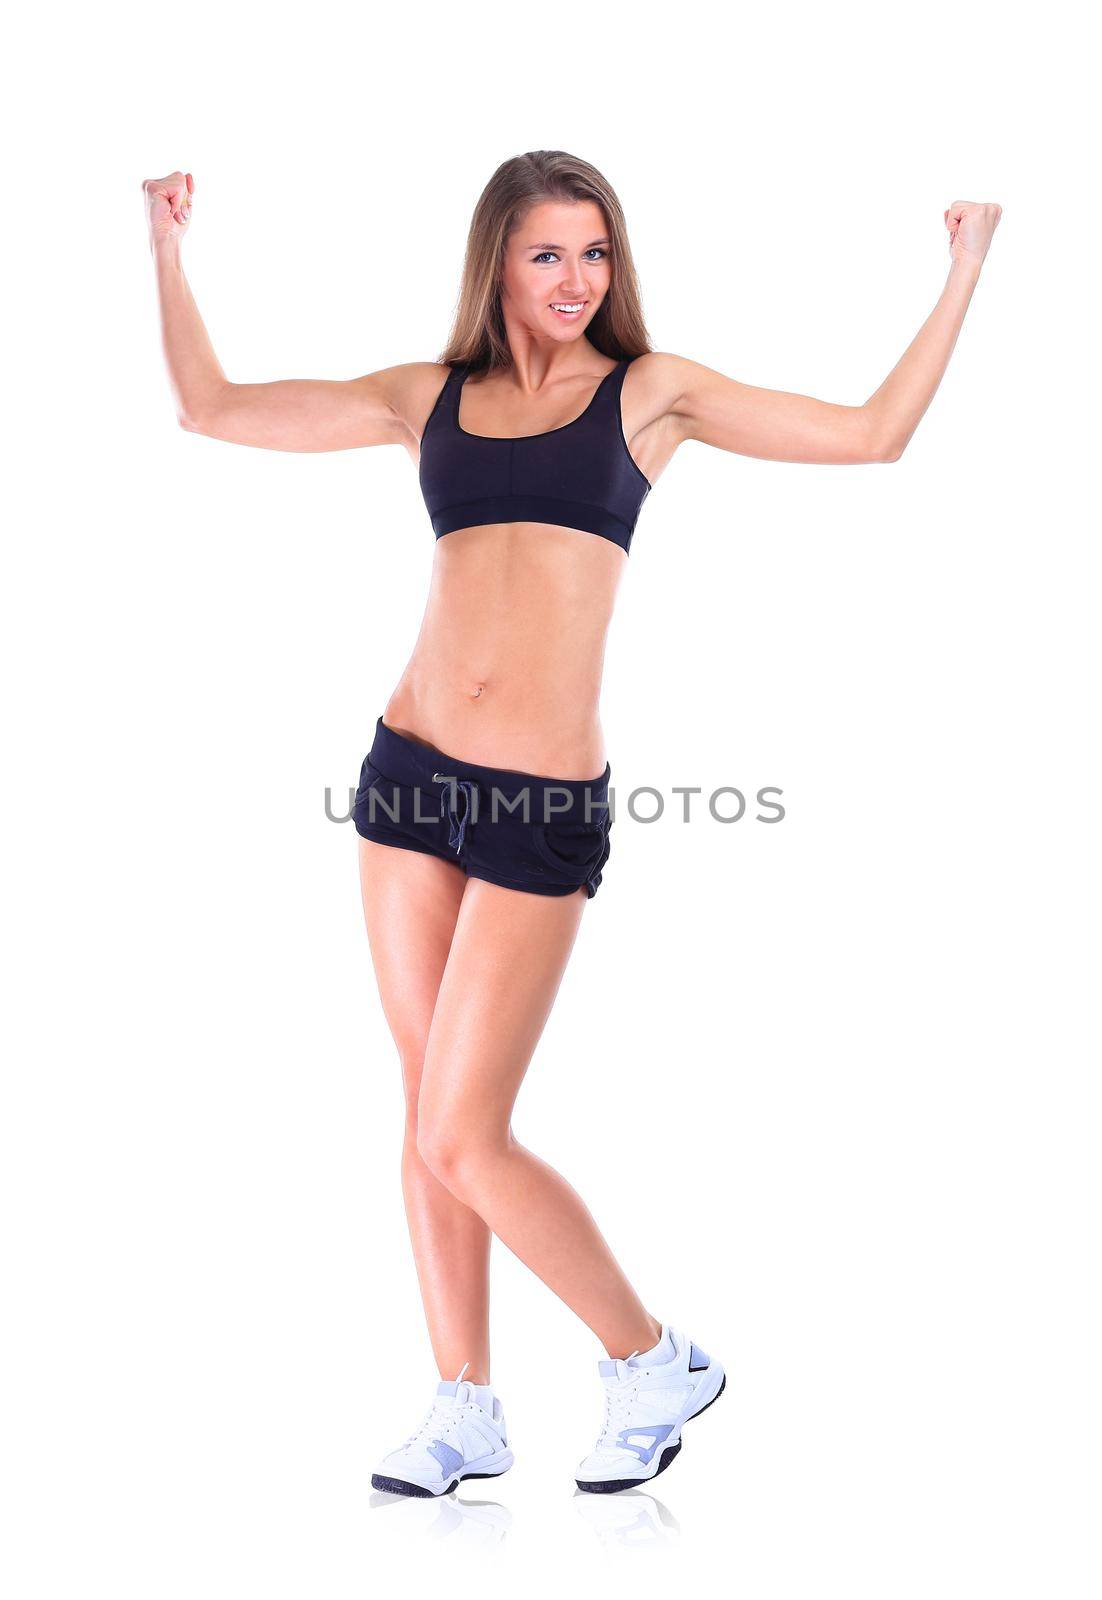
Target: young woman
482, 806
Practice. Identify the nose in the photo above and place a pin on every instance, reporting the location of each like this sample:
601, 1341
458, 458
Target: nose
576, 290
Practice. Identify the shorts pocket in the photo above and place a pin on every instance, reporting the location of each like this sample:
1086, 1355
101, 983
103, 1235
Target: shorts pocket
575, 849
369, 777
386, 808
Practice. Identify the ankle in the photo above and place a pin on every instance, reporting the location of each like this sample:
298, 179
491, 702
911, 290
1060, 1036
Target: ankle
649, 1335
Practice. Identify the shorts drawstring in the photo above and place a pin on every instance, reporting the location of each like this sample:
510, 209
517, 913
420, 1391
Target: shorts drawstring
458, 813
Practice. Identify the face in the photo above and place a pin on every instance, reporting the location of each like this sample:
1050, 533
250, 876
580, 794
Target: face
559, 256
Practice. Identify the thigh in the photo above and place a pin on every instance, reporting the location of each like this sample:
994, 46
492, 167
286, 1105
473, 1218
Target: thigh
411, 902
507, 958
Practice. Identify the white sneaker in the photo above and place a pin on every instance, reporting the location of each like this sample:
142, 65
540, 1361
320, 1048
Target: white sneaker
645, 1410
460, 1438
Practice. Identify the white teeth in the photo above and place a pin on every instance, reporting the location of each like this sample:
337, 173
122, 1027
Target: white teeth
578, 307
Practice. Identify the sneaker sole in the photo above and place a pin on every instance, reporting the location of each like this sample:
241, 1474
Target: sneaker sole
613, 1485
403, 1486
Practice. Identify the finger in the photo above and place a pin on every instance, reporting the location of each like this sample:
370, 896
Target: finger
170, 187
160, 189
190, 183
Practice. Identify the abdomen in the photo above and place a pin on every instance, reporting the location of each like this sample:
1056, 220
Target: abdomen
507, 667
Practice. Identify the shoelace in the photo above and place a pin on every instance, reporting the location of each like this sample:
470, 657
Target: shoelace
440, 1420
444, 1415
618, 1400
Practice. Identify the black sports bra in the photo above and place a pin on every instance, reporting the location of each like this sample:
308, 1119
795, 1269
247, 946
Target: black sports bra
581, 475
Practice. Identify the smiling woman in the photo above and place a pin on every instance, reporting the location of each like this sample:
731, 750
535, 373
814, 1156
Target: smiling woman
568, 420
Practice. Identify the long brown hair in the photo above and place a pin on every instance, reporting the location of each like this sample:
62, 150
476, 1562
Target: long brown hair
477, 336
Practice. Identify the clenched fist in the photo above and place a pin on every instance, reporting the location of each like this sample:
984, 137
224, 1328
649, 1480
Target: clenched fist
971, 224
168, 205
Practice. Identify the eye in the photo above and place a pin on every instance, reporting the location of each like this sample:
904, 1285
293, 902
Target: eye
595, 250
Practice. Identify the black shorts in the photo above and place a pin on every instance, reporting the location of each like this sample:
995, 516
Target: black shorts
539, 835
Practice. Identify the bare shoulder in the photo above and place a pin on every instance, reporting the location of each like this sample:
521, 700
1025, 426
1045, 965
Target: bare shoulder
410, 390
661, 376
654, 385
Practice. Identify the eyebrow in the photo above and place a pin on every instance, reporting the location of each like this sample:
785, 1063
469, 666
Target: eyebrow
562, 246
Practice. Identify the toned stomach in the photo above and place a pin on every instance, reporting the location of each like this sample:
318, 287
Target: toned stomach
506, 670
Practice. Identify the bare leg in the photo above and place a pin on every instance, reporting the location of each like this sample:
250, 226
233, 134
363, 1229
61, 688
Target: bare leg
411, 902
507, 958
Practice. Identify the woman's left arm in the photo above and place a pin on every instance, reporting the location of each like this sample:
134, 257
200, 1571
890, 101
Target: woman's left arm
794, 427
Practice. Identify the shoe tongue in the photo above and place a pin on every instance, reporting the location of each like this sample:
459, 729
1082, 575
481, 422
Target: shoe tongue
614, 1369
463, 1390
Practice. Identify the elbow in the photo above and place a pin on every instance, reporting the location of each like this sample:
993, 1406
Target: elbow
879, 441
884, 447
206, 414
200, 419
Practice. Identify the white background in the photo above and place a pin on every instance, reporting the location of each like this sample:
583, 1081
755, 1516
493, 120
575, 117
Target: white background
850, 1058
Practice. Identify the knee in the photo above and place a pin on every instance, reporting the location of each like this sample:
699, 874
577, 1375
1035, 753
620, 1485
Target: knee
441, 1148
455, 1155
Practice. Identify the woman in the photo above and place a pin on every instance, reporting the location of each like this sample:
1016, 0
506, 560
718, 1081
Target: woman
482, 807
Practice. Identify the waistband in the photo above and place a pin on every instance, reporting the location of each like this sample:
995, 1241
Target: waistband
408, 762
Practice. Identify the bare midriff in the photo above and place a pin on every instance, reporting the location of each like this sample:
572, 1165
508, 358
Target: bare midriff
507, 667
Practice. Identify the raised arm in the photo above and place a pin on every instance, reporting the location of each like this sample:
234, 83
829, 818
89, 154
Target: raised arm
291, 414
777, 426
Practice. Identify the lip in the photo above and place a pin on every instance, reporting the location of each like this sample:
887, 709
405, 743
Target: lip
569, 316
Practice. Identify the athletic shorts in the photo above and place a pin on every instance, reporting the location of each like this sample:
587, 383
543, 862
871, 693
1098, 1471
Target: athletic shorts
539, 835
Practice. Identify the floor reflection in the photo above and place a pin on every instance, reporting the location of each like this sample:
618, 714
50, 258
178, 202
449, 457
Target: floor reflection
629, 1520
472, 1523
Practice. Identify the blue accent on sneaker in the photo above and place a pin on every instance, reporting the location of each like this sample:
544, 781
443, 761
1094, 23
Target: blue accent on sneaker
449, 1459
657, 1434
697, 1359
607, 1369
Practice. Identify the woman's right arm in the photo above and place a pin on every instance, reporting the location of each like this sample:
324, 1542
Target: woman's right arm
291, 414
